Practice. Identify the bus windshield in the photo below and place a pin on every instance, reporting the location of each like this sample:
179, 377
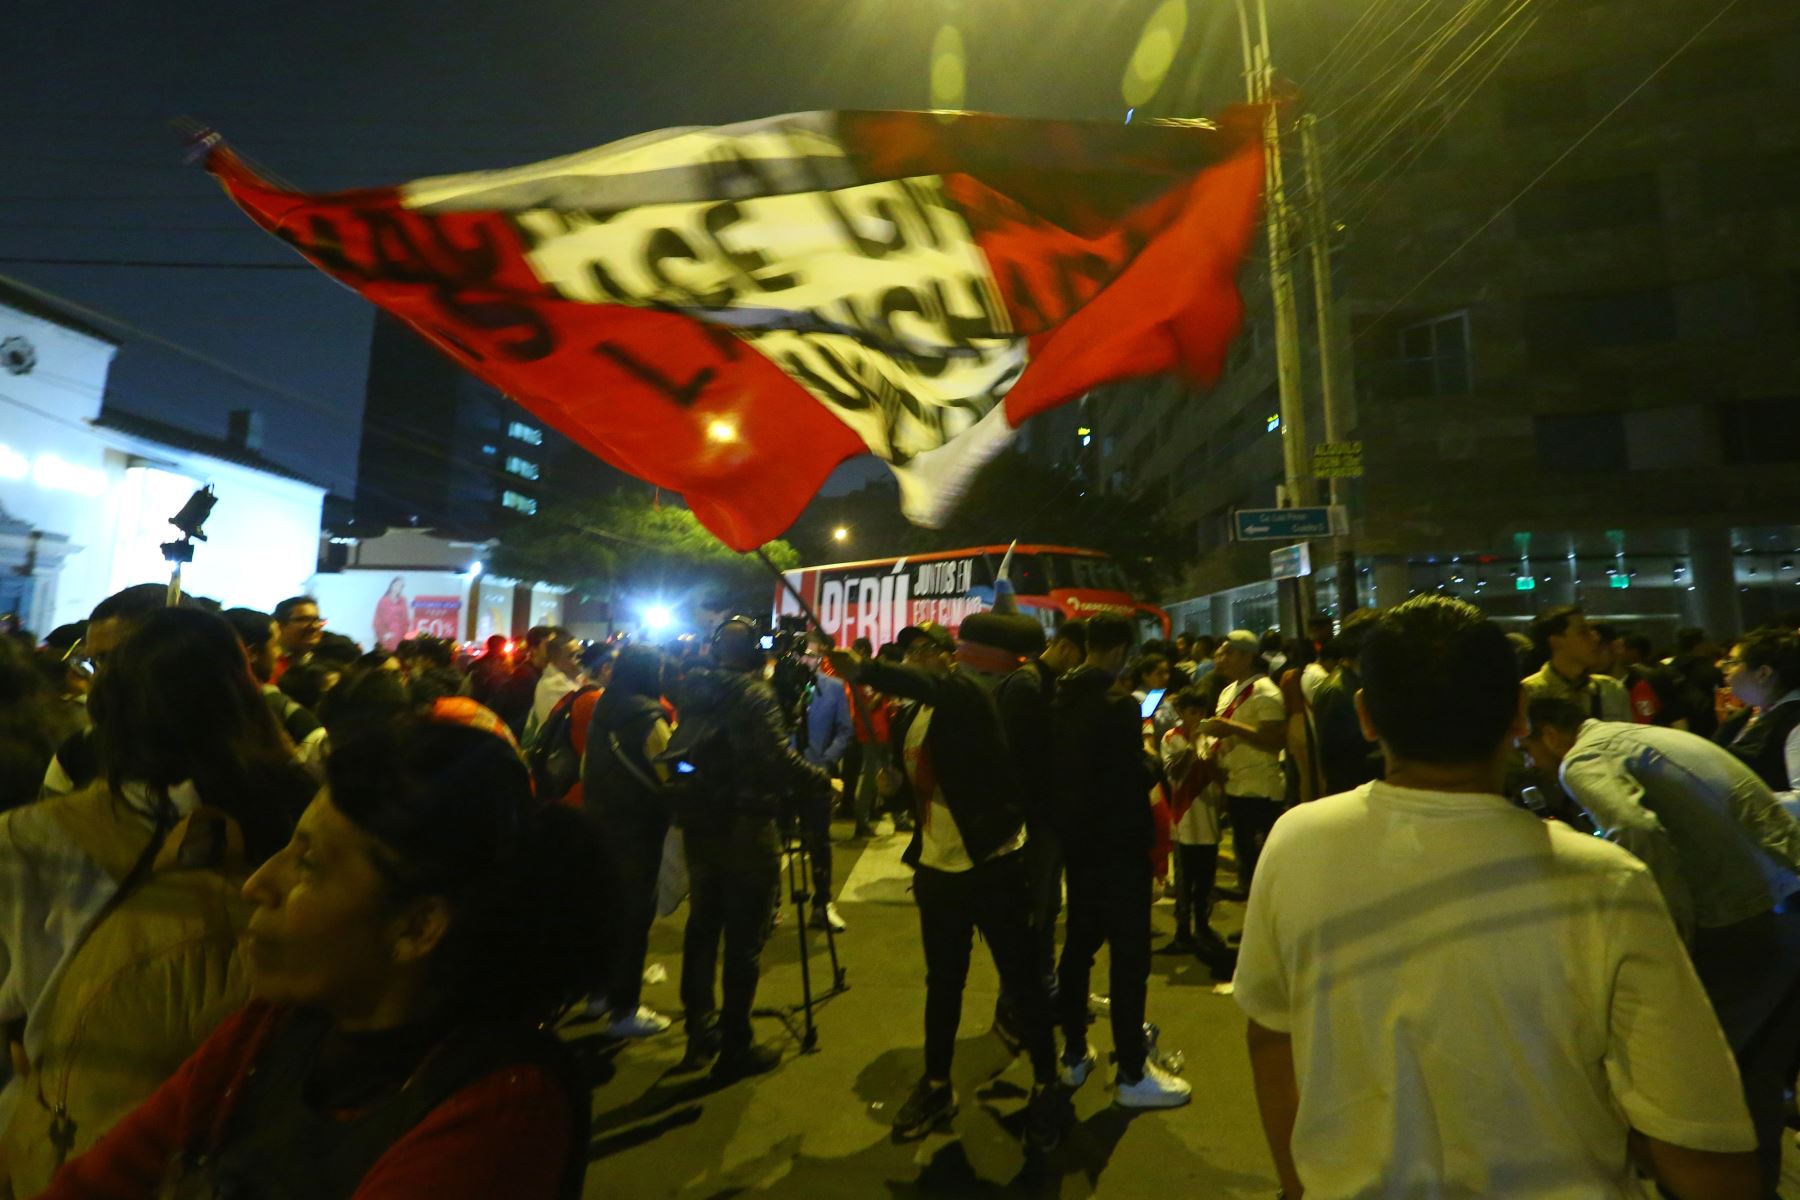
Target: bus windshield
1080, 571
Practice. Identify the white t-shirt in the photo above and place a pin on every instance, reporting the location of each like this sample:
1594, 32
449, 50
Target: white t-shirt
1481, 1003
940, 841
1248, 770
1310, 679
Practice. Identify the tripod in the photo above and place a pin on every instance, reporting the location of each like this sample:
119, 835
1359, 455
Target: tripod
799, 878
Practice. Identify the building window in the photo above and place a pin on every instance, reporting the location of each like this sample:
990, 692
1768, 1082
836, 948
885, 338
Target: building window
1434, 357
1579, 443
524, 468
1746, 183
531, 435
490, 450
1761, 431
519, 503
1627, 317
1591, 204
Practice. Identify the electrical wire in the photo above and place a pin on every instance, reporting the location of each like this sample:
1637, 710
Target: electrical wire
1549, 168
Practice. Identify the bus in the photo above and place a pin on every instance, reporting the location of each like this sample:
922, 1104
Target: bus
878, 597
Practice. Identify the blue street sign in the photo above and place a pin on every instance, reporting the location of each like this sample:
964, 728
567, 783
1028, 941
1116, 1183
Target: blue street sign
1281, 524
1290, 562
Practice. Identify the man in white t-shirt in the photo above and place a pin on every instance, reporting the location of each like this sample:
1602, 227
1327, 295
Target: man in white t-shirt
1450, 997
562, 675
1251, 728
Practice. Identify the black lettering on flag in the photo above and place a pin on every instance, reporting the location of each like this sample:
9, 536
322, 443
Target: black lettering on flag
398, 258
1025, 298
536, 340
753, 265
323, 243
666, 244
838, 392
927, 199
866, 246
899, 300
684, 394
1079, 277
964, 329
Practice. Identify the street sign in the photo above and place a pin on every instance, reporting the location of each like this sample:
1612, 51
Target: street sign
1290, 562
1337, 460
1525, 583
1619, 581
1286, 524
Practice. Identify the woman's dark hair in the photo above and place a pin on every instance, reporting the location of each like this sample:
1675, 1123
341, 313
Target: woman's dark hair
1777, 648
1440, 681
254, 628
177, 702
370, 698
1191, 698
307, 684
1141, 666
638, 671
32, 722
451, 811
336, 650
1300, 653
433, 684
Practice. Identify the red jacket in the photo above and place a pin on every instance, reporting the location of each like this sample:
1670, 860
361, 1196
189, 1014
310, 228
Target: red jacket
506, 1134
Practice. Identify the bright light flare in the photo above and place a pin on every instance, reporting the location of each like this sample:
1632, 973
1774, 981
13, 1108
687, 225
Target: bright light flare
949, 69
657, 617
839, 534
1155, 52
722, 431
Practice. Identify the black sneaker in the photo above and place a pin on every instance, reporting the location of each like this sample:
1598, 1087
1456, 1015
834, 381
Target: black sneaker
930, 1106
1047, 1115
741, 1064
1181, 943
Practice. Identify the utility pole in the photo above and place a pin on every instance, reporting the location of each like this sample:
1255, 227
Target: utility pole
1259, 79
1330, 381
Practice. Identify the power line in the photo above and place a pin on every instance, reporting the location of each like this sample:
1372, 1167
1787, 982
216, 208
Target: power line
1553, 164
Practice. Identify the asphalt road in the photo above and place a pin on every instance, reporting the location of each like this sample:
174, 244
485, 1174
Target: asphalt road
819, 1125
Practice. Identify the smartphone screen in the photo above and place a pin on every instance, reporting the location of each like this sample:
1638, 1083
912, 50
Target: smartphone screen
1152, 702
683, 767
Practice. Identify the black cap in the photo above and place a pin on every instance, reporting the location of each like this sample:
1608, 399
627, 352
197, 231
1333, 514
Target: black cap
926, 629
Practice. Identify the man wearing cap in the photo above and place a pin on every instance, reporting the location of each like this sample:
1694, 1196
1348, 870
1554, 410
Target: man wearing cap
967, 853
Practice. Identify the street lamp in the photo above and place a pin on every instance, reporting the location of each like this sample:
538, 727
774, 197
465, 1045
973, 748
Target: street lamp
840, 534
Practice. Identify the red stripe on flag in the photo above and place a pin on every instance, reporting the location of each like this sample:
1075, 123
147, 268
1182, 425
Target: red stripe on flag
1156, 293
678, 403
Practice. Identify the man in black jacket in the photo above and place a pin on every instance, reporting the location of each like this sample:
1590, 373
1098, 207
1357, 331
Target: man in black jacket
967, 853
1107, 832
733, 738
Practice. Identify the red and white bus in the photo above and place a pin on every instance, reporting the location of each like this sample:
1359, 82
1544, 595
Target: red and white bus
878, 597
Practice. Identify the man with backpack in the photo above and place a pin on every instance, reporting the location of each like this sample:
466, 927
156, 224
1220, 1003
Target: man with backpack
735, 769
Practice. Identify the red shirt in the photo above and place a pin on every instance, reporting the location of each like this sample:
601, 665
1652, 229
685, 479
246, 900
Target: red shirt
506, 1134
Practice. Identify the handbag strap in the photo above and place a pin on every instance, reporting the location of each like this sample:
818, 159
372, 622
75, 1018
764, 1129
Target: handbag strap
636, 771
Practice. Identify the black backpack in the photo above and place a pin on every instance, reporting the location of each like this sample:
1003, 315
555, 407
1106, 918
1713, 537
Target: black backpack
554, 761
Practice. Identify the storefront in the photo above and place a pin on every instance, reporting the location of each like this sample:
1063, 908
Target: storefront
86, 496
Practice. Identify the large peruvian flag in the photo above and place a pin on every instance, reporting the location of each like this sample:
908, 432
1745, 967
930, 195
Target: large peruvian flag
731, 312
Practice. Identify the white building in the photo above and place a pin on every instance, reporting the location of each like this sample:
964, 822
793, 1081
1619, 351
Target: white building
86, 496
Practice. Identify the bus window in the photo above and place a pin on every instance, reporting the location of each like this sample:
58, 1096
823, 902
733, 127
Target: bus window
1028, 576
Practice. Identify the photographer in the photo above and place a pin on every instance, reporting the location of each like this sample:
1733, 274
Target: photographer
732, 745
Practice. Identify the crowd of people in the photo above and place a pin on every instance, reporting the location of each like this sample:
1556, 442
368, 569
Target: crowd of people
286, 916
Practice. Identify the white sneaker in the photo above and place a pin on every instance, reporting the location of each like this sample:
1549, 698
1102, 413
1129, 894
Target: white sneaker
1074, 1074
828, 916
1157, 1089
642, 1023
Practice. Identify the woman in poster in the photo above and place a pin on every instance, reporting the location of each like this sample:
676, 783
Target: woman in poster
393, 618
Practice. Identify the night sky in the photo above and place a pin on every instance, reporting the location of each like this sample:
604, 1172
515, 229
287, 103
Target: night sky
332, 95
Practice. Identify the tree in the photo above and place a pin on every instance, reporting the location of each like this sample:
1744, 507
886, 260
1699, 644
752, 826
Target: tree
624, 544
